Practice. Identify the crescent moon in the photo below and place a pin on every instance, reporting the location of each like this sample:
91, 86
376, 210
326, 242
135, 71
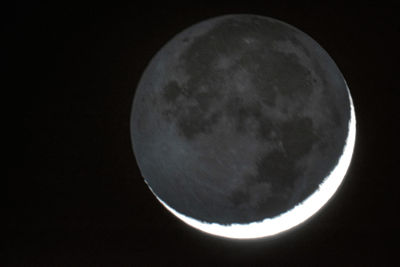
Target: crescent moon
291, 218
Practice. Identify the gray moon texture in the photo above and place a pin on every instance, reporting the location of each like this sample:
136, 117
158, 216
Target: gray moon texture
239, 118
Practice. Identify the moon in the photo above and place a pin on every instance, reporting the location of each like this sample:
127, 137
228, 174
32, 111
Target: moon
242, 126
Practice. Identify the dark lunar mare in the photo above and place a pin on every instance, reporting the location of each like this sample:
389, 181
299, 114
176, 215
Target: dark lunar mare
238, 119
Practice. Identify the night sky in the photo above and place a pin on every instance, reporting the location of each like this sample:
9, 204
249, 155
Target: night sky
74, 191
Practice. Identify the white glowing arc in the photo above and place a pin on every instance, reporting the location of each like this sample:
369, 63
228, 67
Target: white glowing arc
293, 217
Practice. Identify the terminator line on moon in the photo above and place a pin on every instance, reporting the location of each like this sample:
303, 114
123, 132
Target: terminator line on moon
242, 126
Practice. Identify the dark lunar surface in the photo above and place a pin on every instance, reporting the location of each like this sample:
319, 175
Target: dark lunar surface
238, 119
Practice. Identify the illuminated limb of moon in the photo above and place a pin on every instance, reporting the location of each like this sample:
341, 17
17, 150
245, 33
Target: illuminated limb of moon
293, 217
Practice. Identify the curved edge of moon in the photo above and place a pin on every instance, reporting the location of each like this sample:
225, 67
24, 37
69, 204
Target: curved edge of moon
291, 218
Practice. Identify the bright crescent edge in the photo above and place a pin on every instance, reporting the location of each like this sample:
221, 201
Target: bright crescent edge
293, 217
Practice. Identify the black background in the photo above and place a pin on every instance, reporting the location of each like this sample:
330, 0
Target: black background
75, 194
